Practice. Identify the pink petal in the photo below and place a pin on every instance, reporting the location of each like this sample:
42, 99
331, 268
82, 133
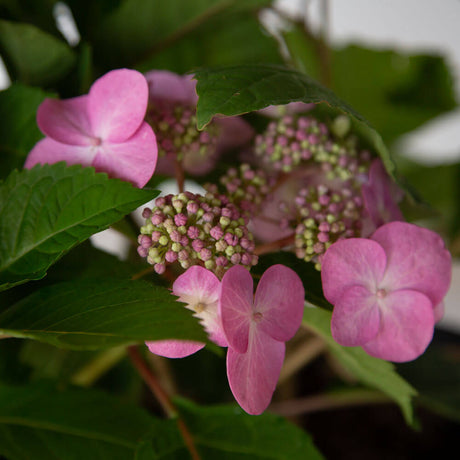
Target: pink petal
280, 298
49, 151
133, 160
417, 259
235, 132
253, 375
174, 348
406, 327
197, 164
438, 311
355, 318
165, 85
352, 262
117, 104
235, 306
198, 286
66, 121
380, 196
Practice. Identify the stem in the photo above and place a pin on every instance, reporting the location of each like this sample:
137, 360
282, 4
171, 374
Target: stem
300, 357
95, 369
323, 402
142, 273
274, 245
179, 173
162, 397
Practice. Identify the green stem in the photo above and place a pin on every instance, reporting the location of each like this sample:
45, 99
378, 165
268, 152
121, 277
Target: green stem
301, 356
96, 368
329, 401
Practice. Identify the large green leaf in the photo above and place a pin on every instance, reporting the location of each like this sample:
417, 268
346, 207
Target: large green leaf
227, 433
92, 314
372, 372
18, 130
125, 37
40, 422
228, 45
396, 92
33, 56
241, 89
49, 209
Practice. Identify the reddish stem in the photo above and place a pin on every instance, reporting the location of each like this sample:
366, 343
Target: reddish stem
162, 397
274, 245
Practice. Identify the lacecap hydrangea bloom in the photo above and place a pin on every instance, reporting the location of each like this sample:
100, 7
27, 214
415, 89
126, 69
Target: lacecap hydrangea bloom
172, 114
388, 290
104, 129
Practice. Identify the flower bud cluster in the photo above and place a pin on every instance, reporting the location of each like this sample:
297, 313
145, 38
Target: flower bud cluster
245, 187
326, 216
176, 131
295, 140
196, 230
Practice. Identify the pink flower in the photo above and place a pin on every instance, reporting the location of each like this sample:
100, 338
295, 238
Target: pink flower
387, 290
199, 289
104, 129
256, 329
381, 195
172, 114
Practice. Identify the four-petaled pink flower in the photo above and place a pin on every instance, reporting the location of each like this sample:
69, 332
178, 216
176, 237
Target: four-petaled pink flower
387, 290
256, 329
104, 129
199, 289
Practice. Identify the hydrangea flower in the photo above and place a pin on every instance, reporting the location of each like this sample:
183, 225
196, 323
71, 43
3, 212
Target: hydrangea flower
195, 230
172, 114
104, 129
199, 289
256, 329
387, 290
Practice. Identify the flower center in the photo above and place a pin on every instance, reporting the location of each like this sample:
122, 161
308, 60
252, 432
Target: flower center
257, 316
381, 293
200, 307
96, 141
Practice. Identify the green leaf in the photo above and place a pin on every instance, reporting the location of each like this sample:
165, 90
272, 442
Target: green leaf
438, 188
18, 130
397, 92
373, 372
94, 314
436, 375
33, 56
228, 45
226, 432
41, 422
47, 210
241, 89
125, 37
